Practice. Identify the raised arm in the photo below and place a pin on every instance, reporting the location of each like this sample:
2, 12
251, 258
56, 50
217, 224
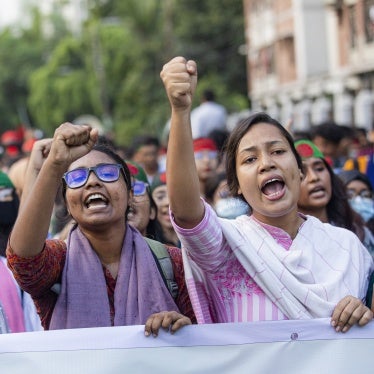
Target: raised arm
39, 153
180, 78
70, 142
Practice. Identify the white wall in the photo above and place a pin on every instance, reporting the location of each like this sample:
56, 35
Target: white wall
310, 38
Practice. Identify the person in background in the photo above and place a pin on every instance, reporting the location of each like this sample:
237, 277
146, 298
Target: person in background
161, 198
17, 310
161, 160
360, 195
11, 141
104, 274
17, 171
218, 195
145, 152
254, 267
206, 160
220, 138
208, 116
143, 210
323, 195
361, 155
334, 141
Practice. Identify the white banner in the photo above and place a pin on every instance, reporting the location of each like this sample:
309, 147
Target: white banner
263, 347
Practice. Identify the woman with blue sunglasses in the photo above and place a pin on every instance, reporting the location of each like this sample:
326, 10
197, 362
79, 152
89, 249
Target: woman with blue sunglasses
104, 274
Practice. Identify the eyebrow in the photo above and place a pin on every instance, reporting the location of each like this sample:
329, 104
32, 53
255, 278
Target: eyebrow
314, 163
267, 144
160, 193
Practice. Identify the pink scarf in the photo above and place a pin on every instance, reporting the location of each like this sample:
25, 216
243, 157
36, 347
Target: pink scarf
10, 300
83, 302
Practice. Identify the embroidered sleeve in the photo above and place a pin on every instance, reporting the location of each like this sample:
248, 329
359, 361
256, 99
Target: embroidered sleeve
37, 274
205, 242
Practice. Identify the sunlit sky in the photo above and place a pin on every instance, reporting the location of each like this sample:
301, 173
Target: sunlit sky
15, 12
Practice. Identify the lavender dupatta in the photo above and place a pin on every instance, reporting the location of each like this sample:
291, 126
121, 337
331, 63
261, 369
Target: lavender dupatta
83, 301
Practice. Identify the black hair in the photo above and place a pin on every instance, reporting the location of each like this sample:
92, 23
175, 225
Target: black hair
220, 138
212, 184
142, 140
153, 229
347, 176
330, 131
209, 95
9, 211
339, 211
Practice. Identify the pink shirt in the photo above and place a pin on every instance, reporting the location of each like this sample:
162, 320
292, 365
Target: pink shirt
243, 299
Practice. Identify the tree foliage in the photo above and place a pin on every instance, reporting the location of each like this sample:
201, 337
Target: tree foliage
111, 70
21, 53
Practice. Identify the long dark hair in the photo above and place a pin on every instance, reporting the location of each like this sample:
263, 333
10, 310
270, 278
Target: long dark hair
153, 229
339, 211
234, 139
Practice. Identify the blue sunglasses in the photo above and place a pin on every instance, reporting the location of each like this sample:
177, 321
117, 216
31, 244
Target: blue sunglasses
139, 188
105, 172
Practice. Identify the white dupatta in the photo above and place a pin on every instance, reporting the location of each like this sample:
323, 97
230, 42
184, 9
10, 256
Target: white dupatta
323, 265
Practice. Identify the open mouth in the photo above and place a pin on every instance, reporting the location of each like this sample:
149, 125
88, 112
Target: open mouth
273, 187
96, 200
131, 212
317, 191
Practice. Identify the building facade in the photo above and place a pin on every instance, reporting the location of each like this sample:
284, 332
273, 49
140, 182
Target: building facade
311, 60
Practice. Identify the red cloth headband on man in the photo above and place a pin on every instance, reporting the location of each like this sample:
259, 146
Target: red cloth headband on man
204, 144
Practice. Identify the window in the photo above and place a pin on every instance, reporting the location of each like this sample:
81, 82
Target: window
369, 20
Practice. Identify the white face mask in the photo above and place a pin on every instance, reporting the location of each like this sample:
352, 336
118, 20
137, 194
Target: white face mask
231, 207
363, 206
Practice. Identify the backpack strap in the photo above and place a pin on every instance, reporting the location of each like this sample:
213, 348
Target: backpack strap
369, 294
164, 265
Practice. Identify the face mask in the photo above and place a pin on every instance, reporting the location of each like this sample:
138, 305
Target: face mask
231, 208
9, 210
363, 206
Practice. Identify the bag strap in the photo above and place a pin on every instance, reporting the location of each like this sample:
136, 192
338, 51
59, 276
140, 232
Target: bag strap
164, 265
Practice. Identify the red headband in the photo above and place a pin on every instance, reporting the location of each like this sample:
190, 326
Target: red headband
204, 144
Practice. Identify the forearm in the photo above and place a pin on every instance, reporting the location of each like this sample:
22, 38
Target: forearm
37, 157
182, 179
31, 227
30, 178
205, 243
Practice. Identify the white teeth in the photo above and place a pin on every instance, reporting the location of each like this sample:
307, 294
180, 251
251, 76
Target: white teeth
95, 196
271, 180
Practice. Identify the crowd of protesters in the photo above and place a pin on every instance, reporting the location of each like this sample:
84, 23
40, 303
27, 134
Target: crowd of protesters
237, 226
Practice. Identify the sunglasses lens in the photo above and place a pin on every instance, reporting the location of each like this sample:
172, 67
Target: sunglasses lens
139, 188
211, 155
108, 172
76, 178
